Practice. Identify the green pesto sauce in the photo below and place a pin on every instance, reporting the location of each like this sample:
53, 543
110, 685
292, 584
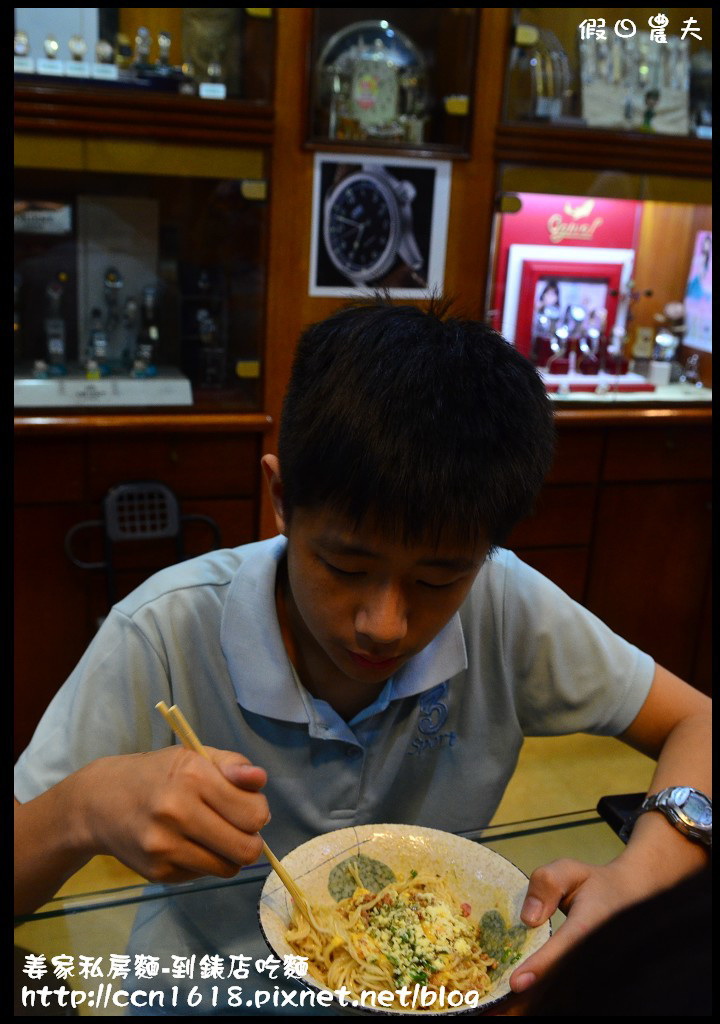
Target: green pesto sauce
499, 941
373, 874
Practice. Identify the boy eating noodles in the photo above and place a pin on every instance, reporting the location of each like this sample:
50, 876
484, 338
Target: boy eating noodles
381, 659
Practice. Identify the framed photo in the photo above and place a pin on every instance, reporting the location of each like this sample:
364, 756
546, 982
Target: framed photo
379, 224
583, 275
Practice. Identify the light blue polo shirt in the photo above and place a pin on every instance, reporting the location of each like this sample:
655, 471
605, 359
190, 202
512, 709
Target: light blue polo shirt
438, 745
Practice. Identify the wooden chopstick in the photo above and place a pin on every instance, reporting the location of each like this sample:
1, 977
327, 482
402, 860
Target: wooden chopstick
184, 732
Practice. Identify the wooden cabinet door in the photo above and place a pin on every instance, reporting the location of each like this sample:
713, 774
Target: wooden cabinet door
53, 609
649, 566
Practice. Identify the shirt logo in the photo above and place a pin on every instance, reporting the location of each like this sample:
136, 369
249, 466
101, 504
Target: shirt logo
433, 715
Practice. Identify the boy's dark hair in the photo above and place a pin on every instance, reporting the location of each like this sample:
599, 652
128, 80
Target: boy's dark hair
431, 427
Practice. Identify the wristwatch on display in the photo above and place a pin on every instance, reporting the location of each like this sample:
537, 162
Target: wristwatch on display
689, 810
368, 227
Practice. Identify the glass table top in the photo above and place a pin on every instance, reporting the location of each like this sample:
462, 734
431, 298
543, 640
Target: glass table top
196, 949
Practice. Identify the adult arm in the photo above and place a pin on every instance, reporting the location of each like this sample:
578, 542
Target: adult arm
170, 815
674, 727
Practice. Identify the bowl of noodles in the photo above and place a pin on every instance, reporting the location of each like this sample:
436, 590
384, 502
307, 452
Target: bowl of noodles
404, 919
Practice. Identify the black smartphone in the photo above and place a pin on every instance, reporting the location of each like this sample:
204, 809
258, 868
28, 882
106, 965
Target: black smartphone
617, 809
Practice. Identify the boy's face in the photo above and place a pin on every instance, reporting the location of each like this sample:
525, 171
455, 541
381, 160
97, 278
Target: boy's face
359, 606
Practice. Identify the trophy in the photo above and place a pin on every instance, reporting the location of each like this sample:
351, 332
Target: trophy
54, 325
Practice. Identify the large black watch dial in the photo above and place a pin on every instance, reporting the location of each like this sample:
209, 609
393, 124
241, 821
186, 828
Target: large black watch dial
361, 230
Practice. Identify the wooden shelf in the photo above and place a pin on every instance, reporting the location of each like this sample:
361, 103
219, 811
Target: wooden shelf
122, 111
43, 424
547, 145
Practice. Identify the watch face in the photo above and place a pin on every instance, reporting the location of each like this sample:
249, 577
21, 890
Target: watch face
361, 227
22, 44
77, 47
697, 808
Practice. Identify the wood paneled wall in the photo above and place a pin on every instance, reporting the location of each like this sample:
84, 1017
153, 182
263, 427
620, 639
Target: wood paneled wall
290, 308
472, 201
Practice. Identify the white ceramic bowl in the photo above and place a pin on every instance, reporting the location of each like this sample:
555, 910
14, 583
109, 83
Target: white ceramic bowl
479, 876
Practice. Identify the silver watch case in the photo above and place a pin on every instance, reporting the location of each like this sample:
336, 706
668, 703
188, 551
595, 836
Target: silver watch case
400, 241
689, 810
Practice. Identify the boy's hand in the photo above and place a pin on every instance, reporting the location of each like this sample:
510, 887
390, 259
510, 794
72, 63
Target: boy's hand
172, 815
582, 891
591, 894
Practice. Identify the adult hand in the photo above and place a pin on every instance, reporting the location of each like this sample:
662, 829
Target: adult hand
173, 815
586, 893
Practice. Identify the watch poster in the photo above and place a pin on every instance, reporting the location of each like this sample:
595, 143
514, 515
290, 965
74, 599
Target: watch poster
379, 225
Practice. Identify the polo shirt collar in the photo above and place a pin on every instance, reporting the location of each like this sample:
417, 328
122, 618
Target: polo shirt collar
260, 669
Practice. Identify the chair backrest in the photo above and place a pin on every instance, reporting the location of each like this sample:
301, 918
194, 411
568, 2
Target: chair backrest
142, 510
134, 512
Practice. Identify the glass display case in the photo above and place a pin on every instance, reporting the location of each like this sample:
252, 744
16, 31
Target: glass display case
601, 252
393, 76
622, 69
577, 285
138, 289
210, 52
141, 213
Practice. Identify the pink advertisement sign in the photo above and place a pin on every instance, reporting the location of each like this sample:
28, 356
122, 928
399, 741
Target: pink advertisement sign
575, 228
698, 295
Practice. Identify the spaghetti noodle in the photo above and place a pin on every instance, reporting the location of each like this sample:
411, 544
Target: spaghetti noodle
408, 933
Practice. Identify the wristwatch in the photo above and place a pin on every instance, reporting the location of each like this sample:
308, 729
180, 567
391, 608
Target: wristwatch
689, 810
368, 226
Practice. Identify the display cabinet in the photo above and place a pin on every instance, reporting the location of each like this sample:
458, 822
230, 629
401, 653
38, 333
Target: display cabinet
141, 289
590, 189
613, 210
141, 217
151, 289
392, 78
631, 69
215, 53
